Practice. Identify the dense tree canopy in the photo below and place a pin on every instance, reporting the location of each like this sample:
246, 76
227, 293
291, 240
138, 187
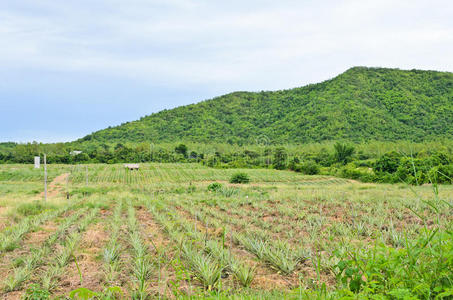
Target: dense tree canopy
358, 105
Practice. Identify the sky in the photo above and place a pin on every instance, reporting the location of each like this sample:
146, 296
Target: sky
69, 68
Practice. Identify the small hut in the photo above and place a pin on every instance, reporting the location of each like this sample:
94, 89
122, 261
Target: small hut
132, 166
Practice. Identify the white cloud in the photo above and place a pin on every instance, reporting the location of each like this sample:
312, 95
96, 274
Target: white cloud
257, 45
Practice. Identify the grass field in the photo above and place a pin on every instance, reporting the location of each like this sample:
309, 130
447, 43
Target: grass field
160, 233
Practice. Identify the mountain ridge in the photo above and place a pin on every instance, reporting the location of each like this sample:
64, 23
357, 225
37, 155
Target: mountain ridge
359, 104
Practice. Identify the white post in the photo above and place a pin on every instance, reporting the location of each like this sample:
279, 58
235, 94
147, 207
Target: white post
67, 185
45, 178
37, 161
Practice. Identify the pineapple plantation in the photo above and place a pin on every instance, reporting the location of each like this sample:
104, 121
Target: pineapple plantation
165, 231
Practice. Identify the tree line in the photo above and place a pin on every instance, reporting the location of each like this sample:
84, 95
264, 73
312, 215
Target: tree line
423, 165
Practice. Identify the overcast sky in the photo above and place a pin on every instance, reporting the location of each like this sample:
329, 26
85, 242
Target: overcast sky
68, 68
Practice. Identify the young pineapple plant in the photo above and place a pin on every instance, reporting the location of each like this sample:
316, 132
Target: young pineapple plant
37, 256
51, 277
112, 252
142, 266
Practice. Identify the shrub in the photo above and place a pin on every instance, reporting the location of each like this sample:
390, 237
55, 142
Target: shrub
352, 172
441, 174
388, 162
193, 155
181, 149
214, 187
294, 164
323, 158
309, 168
369, 163
413, 171
240, 178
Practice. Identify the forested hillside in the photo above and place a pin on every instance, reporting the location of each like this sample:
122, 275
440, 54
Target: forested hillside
358, 105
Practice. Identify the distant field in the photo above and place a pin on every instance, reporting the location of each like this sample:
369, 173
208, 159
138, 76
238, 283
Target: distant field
186, 173
160, 232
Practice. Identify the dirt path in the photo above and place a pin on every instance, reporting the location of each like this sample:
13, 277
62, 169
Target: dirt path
3, 217
55, 186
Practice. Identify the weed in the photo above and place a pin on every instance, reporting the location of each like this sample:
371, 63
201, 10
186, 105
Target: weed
33, 208
214, 187
35, 292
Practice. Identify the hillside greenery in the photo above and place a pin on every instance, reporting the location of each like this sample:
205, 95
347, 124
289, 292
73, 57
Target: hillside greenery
358, 105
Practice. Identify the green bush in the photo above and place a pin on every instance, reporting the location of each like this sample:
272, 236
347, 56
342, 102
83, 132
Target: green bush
352, 172
441, 174
181, 149
369, 163
214, 187
388, 162
240, 178
413, 170
323, 158
309, 168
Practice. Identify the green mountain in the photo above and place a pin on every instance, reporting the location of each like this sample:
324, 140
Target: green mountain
359, 104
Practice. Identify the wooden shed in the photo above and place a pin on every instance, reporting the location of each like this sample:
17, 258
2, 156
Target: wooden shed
132, 166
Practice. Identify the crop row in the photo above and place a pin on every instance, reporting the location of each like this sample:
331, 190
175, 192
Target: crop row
37, 256
11, 237
158, 173
208, 259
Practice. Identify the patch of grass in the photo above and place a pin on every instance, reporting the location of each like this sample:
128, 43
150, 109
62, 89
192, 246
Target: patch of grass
88, 190
228, 191
33, 208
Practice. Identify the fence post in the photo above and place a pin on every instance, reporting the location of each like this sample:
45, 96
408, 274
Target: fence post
45, 178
